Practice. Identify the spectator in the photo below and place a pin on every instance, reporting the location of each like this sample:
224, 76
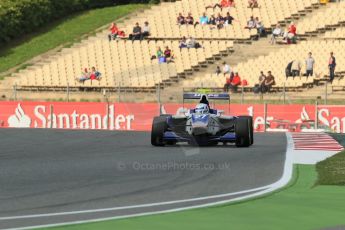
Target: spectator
236, 81
168, 54
218, 71
250, 23
259, 26
331, 65
290, 34
212, 21
189, 20
146, 31
85, 75
269, 82
159, 54
228, 19
95, 74
183, 43
191, 42
288, 71
114, 31
222, 4
258, 88
136, 34
296, 68
276, 33
226, 69
180, 19
253, 4
309, 62
228, 82
203, 20
220, 21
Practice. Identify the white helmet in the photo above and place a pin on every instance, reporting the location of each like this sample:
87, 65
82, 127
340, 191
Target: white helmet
201, 109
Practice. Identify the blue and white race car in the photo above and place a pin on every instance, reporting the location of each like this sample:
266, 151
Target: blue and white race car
202, 126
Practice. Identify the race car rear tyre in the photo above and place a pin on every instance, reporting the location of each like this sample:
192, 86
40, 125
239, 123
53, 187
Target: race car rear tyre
251, 127
244, 131
159, 126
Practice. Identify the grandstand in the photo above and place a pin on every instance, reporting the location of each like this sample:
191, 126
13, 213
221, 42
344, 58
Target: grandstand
128, 65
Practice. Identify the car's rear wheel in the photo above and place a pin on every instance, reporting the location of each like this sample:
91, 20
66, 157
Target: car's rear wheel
159, 126
244, 131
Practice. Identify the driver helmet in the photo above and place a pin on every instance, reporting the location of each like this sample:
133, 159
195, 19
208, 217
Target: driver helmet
201, 109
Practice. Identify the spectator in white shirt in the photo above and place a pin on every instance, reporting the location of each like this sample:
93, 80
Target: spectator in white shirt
226, 69
145, 30
251, 23
276, 33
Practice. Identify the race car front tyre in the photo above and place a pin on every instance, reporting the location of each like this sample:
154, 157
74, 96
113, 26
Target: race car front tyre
159, 126
244, 131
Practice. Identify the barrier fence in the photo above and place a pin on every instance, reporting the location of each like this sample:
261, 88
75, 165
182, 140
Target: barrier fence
138, 116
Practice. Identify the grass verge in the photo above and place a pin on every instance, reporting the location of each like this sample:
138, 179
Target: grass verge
332, 170
61, 33
302, 205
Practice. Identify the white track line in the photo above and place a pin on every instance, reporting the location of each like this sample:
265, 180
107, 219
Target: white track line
284, 180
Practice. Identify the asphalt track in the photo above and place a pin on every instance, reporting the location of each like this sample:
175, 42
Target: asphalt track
56, 171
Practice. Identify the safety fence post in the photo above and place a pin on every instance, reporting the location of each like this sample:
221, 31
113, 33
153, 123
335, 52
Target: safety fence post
51, 116
284, 94
265, 116
242, 95
68, 92
316, 122
326, 92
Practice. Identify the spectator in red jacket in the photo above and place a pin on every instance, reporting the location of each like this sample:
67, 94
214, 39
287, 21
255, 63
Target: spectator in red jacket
236, 81
114, 31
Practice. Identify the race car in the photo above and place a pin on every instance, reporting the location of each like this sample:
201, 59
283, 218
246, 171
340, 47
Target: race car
202, 126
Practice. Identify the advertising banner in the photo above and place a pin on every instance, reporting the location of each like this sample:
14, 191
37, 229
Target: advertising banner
138, 116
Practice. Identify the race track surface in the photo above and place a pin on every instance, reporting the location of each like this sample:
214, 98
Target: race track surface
53, 171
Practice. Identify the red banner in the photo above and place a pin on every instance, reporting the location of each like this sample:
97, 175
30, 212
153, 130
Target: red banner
135, 116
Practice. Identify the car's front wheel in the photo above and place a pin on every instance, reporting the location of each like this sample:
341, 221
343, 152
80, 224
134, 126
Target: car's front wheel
159, 126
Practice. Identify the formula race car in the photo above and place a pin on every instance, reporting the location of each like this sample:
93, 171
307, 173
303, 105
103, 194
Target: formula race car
202, 126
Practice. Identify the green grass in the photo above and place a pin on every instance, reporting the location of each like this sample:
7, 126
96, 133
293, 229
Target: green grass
332, 170
61, 33
302, 205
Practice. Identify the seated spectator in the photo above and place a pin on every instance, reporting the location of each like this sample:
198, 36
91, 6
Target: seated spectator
95, 74
159, 54
296, 68
218, 71
220, 21
212, 22
276, 33
136, 33
183, 43
192, 43
146, 31
253, 4
203, 20
113, 31
228, 82
250, 23
290, 34
288, 71
189, 20
228, 19
85, 75
258, 88
180, 19
231, 3
236, 81
168, 54
268, 83
226, 69
259, 26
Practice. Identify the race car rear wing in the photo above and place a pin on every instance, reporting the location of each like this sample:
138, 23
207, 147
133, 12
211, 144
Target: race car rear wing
213, 96
210, 96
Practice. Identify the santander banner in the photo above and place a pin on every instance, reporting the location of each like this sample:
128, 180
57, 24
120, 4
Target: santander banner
138, 117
